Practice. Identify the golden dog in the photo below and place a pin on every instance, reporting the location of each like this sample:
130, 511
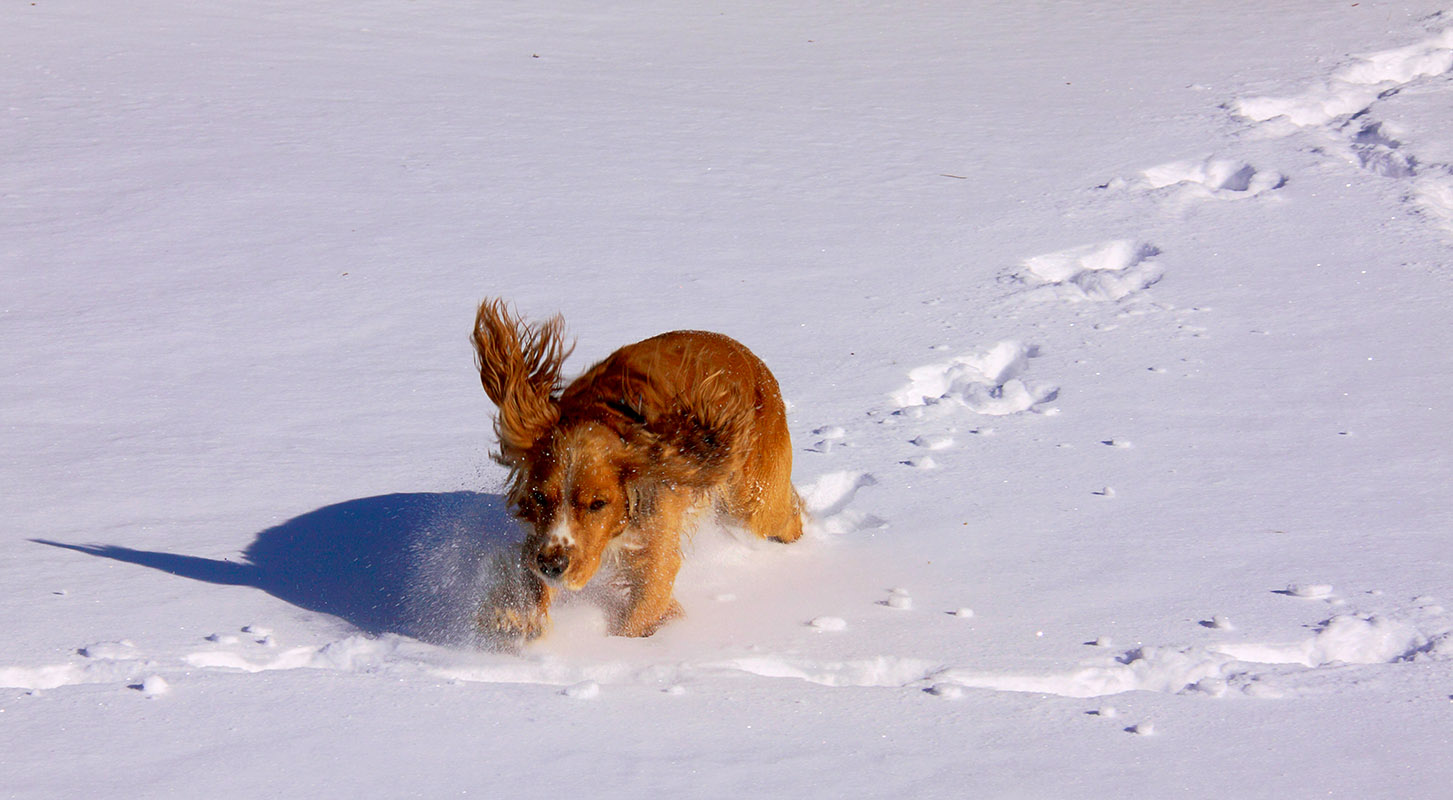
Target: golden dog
613, 468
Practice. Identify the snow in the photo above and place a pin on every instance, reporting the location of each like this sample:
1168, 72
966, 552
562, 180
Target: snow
1101, 327
828, 623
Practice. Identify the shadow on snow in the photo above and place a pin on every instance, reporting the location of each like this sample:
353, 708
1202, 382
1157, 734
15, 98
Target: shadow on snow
416, 564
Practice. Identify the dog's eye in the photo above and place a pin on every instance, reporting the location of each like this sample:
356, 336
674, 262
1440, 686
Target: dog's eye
596, 505
538, 498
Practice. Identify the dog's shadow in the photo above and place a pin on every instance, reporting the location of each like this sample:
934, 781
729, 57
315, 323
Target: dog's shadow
415, 564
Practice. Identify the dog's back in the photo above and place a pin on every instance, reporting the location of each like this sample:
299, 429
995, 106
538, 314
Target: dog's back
726, 387
653, 373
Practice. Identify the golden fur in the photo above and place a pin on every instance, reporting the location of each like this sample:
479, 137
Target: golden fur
614, 465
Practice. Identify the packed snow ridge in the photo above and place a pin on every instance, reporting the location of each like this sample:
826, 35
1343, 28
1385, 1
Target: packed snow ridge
1232, 667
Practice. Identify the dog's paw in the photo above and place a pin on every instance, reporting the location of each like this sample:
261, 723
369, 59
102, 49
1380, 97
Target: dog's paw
511, 625
634, 625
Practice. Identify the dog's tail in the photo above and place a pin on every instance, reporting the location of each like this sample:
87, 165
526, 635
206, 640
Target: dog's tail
519, 367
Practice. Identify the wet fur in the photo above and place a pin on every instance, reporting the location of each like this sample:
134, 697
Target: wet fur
615, 465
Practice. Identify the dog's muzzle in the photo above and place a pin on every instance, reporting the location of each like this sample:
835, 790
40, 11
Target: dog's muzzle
552, 562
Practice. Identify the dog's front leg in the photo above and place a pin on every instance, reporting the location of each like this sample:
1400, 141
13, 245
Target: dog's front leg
651, 574
518, 608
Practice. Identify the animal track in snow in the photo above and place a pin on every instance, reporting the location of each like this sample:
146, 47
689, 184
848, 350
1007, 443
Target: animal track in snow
1355, 87
1342, 110
828, 437
1226, 179
108, 651
986, 382
932, 441
1434, 198
826, 500
1373, 147
1101, 272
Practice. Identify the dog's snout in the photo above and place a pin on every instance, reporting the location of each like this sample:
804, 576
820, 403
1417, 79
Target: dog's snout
552, 562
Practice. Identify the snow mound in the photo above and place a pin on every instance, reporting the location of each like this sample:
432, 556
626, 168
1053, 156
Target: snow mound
1343, 639
1213, 177
826, 501
1101, 272
985, 381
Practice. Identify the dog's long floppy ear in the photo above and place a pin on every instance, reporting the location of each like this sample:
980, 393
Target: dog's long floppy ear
519, 366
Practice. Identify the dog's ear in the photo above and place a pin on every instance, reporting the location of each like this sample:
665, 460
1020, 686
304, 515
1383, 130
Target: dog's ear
519, 366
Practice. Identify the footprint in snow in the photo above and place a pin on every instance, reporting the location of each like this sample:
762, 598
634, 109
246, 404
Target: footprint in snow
985, 381
1102, 272
1220, 178
109, 651
1343, 110
1353, 89
928, 442
828, 438
827, 498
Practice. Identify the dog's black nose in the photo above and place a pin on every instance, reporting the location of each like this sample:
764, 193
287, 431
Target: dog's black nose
552, 564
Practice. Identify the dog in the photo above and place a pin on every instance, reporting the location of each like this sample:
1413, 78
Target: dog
613, 469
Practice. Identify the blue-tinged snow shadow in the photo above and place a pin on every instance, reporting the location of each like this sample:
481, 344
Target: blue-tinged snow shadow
417, 564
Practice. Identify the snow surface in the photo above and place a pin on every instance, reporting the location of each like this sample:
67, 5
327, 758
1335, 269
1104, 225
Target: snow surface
1115, 338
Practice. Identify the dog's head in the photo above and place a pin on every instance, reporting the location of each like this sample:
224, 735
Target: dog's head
569, 482
578, 494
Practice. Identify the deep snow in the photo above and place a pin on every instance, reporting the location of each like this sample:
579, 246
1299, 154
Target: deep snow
1115, 341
